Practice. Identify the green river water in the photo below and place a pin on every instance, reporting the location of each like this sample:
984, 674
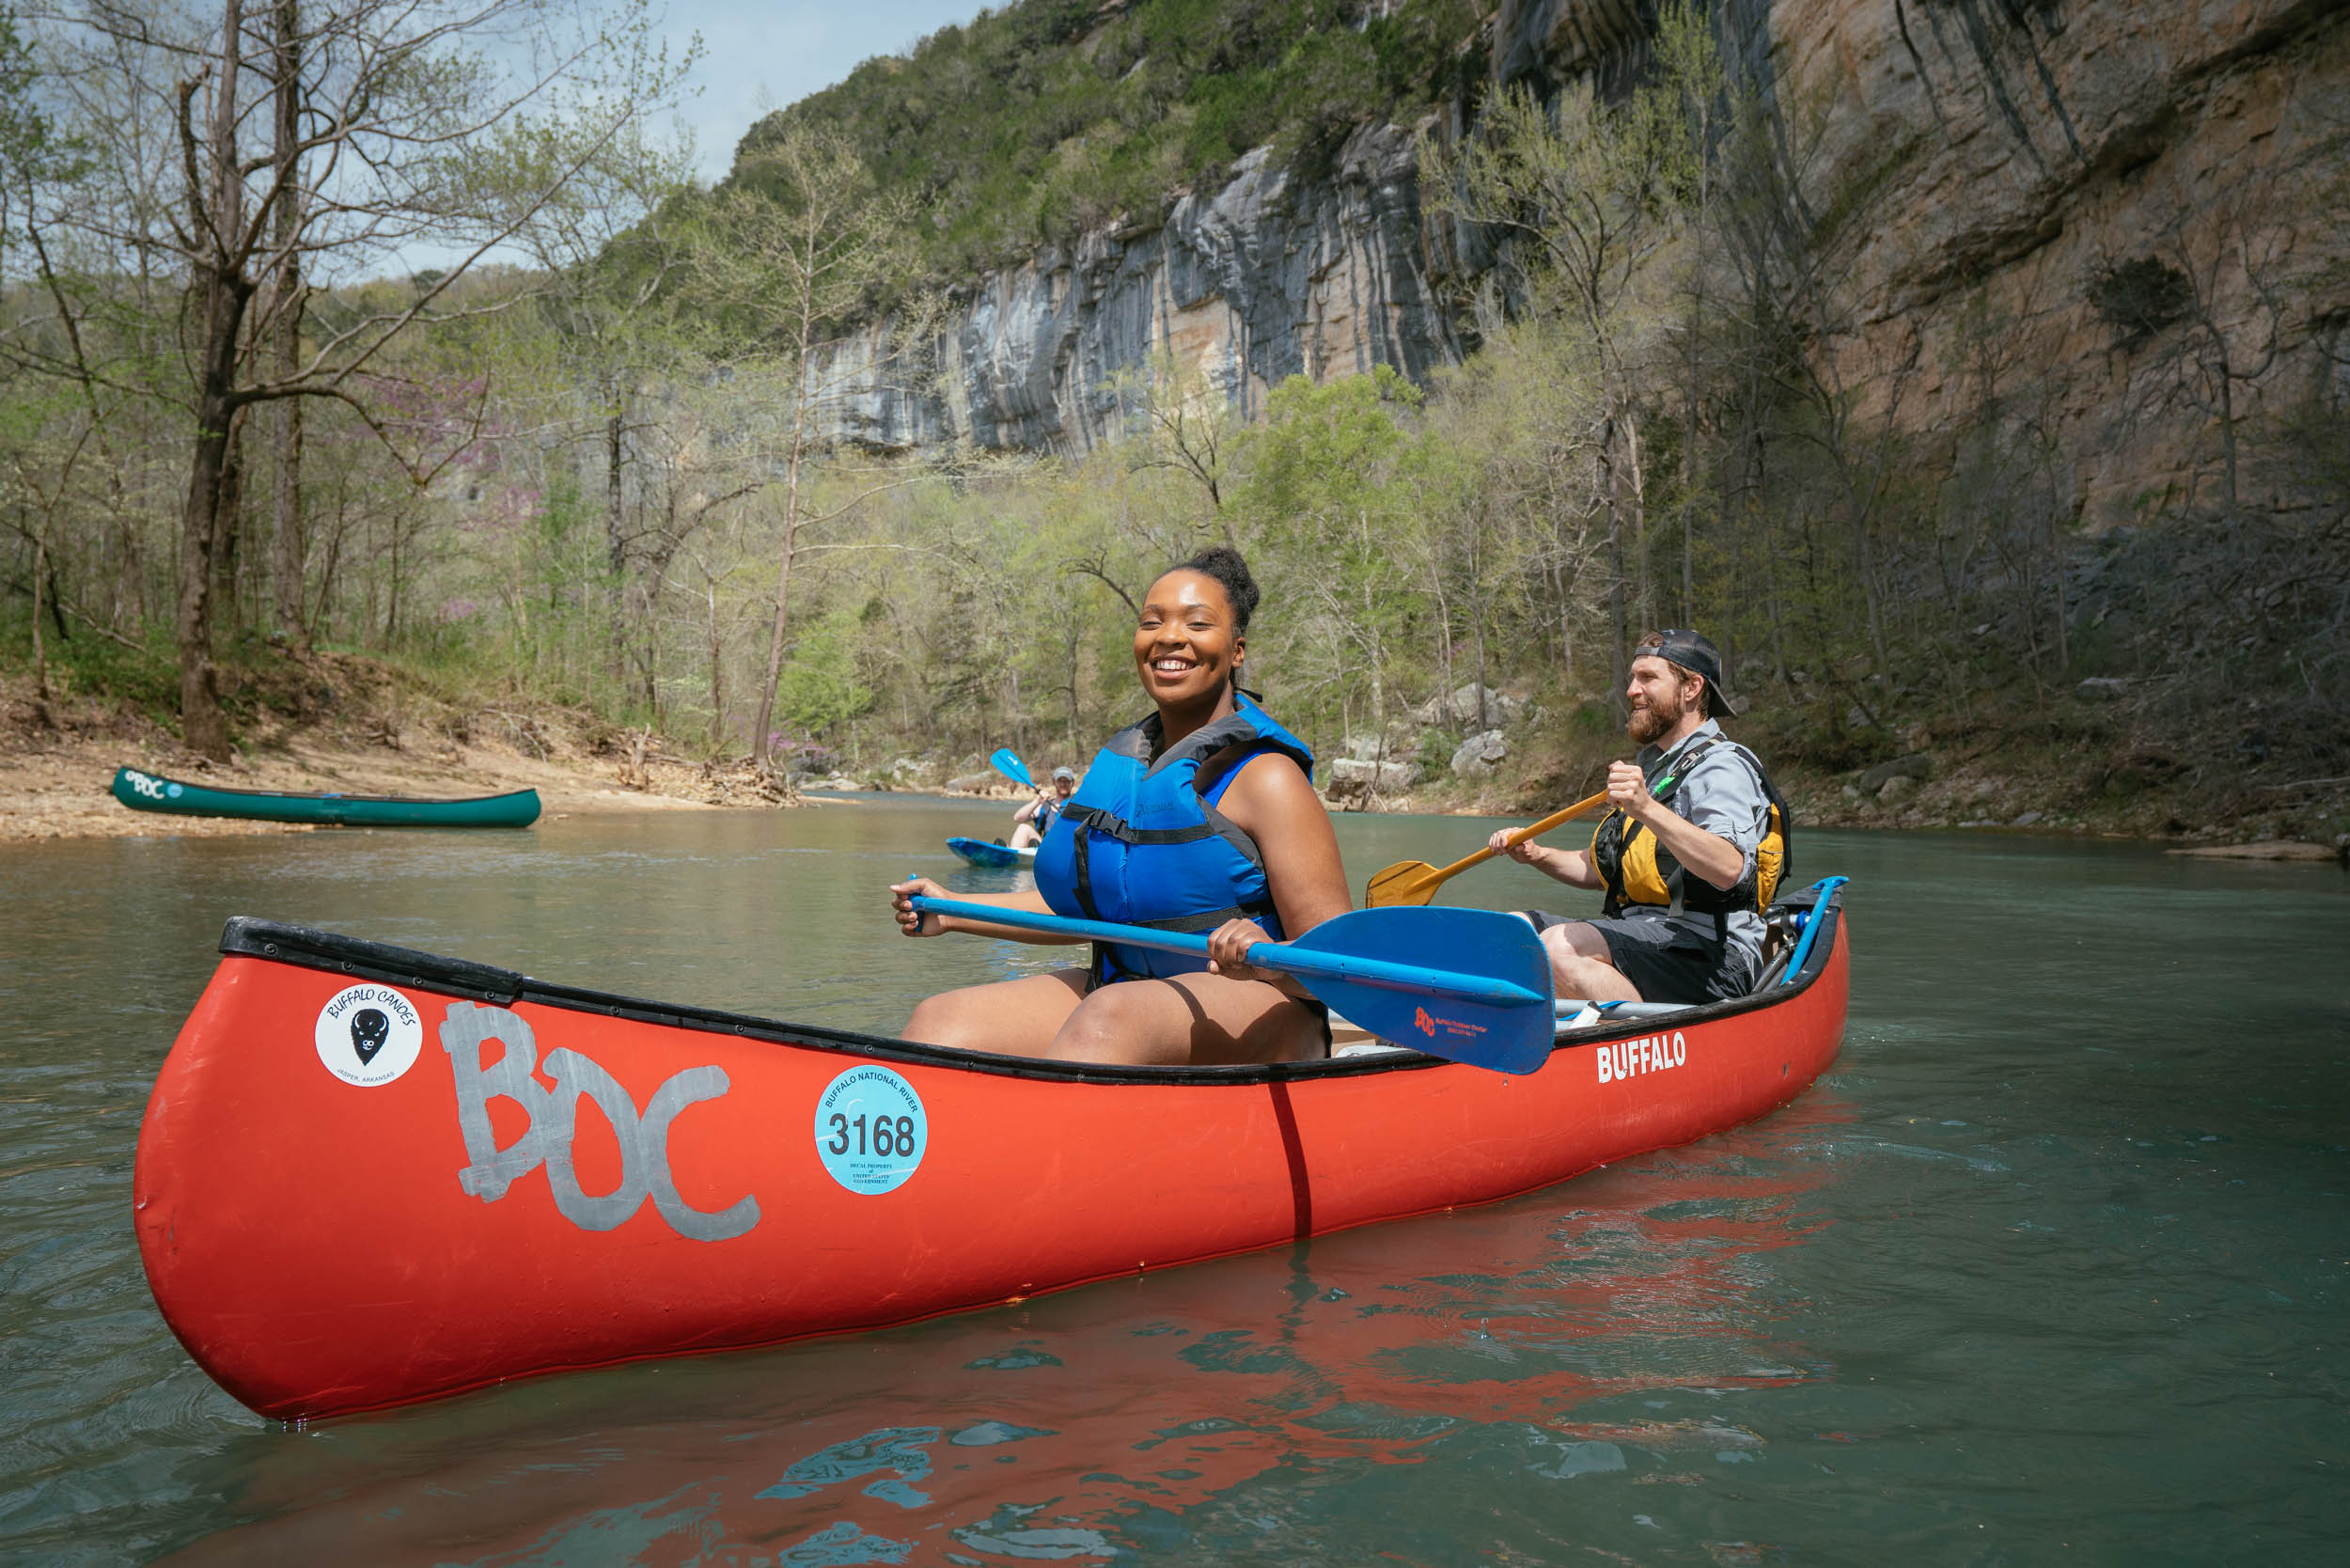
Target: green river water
2053, 1265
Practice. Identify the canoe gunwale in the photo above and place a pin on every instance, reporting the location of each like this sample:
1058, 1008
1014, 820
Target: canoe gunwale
361, 959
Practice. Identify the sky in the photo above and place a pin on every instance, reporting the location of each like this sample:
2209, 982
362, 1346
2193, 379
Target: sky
759, 57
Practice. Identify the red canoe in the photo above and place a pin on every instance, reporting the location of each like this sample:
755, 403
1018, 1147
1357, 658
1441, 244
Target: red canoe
368, 1176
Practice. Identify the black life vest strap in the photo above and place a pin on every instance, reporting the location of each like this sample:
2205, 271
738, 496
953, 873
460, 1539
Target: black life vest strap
1124, 832
1677, 879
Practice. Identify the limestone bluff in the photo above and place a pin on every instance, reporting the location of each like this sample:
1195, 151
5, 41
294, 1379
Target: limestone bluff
2033, 145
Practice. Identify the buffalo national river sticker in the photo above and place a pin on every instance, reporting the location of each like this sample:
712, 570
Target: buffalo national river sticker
871, 1130
369, 1035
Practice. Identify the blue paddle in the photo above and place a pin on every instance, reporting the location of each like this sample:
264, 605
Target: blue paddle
1471, 985
1007, 762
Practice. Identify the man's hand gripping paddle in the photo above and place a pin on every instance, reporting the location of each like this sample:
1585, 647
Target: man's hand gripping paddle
1409, 882
1471, 985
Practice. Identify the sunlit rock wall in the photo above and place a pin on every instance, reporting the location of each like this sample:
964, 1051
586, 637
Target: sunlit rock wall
2017, 148
2030, 146
1266, 278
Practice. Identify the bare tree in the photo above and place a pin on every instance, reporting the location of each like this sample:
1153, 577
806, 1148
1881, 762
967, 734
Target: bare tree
375, 112
804, 241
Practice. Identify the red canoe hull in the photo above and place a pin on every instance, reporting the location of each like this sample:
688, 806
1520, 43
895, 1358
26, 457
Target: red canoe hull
519, 1179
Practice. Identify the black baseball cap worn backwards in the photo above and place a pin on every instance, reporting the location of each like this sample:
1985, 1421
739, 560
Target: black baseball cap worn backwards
1694, 652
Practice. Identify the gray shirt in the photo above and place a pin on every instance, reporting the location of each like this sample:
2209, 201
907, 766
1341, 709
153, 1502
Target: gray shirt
1723, 796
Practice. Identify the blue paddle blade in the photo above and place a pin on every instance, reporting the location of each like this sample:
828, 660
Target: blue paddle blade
1507, 1037
1007, 762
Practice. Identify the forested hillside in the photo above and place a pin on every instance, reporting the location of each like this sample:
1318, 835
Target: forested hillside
2013, 495
1040, 120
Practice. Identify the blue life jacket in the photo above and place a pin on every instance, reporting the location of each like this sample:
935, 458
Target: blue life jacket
1141, 842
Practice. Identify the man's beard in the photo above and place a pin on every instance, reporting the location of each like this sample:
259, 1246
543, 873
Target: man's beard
1648, 725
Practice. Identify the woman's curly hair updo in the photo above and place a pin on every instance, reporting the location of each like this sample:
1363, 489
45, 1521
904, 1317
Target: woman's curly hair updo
1230, 571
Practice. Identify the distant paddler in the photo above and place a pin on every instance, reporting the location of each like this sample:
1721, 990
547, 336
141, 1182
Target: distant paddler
1689, 854
1032, 821
1200, 818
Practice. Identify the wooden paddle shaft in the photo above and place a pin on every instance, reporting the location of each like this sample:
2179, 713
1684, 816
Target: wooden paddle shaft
1532, 830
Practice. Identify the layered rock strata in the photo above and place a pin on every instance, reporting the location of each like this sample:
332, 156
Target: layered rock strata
1266, 278
2001, 164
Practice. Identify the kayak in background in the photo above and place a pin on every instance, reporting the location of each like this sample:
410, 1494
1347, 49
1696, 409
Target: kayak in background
144, 791
981, 852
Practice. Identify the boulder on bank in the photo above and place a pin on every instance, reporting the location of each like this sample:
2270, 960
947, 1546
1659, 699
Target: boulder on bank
1916, 766
1478, 755
1376, 749
1459, 706
1351, 778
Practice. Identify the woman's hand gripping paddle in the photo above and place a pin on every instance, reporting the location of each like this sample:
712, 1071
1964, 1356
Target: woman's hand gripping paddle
1409, 882
1471, 985
1007, 762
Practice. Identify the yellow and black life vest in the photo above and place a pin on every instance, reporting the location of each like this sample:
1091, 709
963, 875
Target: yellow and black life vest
1636, 869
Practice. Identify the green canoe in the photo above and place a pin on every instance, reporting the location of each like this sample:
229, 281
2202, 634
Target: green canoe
144, 791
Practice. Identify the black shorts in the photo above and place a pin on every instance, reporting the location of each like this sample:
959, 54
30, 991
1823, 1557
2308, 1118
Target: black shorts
1667, 958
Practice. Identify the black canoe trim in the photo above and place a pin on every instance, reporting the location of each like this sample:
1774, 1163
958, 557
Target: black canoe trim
334, 953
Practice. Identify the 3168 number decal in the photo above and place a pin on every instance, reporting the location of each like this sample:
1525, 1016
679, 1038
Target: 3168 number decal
890, 1136
871, 1130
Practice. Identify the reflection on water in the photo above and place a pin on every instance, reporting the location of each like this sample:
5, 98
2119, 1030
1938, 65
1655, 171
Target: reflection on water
1174, 1412
2057, 1255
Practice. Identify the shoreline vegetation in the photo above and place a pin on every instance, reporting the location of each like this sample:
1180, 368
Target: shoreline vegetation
580, 512
356, 723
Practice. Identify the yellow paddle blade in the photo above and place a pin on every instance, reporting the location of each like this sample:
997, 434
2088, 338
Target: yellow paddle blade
1405, 881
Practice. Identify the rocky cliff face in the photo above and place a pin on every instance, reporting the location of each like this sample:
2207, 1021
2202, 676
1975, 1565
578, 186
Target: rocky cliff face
2126, 214
2123, 208
1266, 278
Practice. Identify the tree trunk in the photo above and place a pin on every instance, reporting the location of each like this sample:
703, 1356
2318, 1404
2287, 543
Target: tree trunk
717, 667
616, 528
391, 608
40, 652
202, 725
228, 530
287, 540
1617, 665
1644, 596
218, 294
762, 751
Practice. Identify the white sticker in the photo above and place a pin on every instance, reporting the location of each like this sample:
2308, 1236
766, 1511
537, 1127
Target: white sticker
871, 1130
369, 1035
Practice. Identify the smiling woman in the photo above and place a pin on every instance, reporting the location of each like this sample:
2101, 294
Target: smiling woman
1200, 818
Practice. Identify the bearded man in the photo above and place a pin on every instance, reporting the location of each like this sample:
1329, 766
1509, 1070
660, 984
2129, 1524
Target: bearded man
1689, 854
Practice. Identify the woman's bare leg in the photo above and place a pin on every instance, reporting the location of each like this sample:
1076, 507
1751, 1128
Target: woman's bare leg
1190, 1020
1011, 1018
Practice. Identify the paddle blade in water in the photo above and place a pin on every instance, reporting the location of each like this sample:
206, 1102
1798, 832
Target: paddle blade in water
1483, 942
1007, 762
1405, 881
